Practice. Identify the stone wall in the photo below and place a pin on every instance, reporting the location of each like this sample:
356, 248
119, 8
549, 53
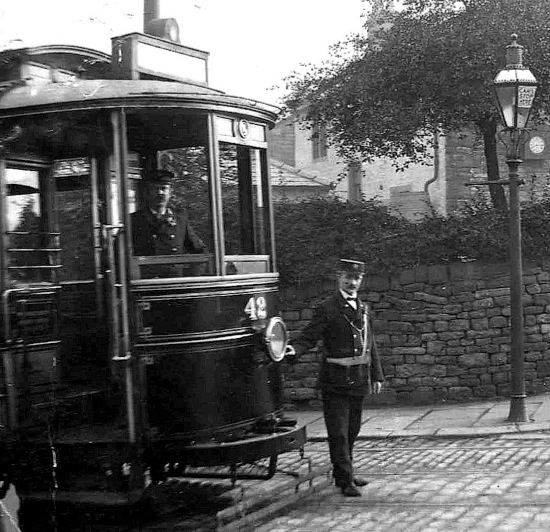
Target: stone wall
443, 333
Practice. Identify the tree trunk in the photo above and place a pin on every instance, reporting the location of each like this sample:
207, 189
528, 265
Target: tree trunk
498, 197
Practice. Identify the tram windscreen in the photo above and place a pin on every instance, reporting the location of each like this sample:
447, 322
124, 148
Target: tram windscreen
183, 243
245, 214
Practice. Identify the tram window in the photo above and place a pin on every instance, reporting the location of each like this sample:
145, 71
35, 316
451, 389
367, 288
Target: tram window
245, 212
74, 211
28, 240
182, 241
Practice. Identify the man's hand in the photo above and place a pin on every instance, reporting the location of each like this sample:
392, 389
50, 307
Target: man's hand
290, 354
377, 387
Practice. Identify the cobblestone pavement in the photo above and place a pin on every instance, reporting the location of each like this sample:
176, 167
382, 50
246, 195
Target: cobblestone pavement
475, 484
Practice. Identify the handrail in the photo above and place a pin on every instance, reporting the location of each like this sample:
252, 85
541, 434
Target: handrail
37, 267
172, 259
52, 250
42, 233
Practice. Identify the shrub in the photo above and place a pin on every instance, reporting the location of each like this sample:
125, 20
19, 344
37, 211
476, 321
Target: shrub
312, 235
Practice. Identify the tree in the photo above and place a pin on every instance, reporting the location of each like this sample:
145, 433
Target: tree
426, 68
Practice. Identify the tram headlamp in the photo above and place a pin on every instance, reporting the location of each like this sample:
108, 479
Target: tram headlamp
165, 28
276, 338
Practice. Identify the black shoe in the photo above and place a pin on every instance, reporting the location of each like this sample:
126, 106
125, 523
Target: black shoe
351, 491
360, 481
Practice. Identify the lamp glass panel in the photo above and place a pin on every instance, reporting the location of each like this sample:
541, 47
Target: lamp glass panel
506, 98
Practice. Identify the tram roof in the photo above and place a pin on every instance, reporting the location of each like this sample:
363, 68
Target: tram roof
19, 99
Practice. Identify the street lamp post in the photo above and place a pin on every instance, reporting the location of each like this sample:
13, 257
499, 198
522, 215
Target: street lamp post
515, 88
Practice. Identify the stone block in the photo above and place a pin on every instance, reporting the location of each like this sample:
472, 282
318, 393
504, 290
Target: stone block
473, 360
533, 309
438, 370
406, 371
498, 359
440, 326
480, 324
483, 303
469, 380
426, 327
451, 335
408, 350
459, 325
498, 322
430, 298
400, 326
435, 347
491, 293
422, 396
459, 393
487, 390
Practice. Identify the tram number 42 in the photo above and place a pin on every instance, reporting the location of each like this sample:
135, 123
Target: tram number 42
256, 308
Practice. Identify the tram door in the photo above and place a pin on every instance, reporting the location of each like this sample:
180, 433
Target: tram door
83, 328
55, 338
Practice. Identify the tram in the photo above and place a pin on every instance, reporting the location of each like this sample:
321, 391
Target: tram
116, 367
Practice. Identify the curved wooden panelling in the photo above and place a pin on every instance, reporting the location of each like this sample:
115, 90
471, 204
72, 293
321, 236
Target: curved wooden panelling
203, 364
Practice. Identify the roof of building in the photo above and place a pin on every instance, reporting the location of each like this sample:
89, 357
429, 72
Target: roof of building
284, 175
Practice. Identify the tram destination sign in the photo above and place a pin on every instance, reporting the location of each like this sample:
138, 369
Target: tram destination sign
140, 56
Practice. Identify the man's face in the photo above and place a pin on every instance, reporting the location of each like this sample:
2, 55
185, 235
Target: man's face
158, 196
350, 282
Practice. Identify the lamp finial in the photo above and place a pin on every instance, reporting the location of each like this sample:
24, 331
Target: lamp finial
514, 53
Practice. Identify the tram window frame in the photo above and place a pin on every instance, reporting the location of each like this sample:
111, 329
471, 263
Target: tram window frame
44, 272
183, 264
254, 212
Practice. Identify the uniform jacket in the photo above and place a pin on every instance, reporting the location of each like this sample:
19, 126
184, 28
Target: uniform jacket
171, 235
339, 325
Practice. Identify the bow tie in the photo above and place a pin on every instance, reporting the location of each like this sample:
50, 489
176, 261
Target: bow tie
351, 298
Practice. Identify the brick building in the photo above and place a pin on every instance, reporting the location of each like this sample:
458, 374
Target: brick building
458, 160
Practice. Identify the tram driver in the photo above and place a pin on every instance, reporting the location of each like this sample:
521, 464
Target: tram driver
157, 230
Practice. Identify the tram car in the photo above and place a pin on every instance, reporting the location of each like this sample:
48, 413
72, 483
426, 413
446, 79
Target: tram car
119, 367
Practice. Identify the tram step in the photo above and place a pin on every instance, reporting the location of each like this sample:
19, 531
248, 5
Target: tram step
91, 498
87, 406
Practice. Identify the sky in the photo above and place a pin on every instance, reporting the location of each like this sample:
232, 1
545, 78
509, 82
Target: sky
253, 44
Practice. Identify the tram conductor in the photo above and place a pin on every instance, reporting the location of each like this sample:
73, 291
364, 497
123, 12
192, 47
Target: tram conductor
157, 230
350, 368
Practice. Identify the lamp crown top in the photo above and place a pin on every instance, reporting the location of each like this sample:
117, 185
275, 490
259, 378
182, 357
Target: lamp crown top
514, 54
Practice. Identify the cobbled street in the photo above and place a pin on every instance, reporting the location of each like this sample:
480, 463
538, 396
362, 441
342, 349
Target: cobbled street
419, 484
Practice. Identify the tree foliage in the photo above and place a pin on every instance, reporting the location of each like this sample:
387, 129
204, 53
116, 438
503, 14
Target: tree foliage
427, 68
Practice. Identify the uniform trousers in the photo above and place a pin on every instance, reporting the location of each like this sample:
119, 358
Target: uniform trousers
343, 421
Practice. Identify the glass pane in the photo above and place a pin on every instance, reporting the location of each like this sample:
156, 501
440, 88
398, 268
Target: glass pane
245, 213
74, 204
180, 239
25, 227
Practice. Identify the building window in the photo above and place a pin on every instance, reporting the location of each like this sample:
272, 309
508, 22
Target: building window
319, 140
355, 175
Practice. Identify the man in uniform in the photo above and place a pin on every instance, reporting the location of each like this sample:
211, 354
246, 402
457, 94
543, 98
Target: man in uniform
157, 230
350, 368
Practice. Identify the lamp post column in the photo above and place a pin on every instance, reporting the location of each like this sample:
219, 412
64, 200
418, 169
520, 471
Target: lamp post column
517, 396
